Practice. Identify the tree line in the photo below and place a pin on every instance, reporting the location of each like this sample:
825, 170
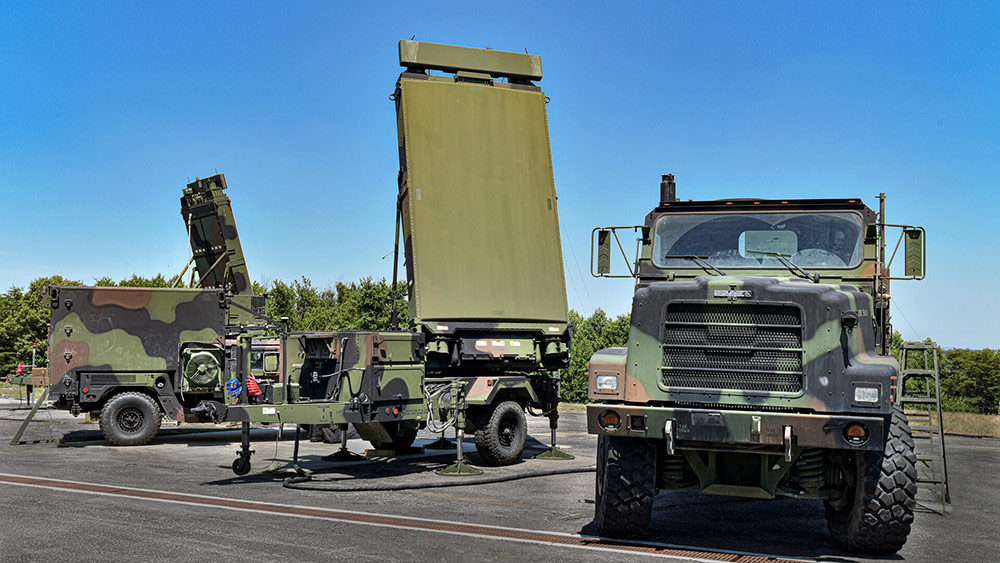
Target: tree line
970, 379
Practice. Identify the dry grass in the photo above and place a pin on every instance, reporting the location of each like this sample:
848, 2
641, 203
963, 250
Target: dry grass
15, 391
966, 423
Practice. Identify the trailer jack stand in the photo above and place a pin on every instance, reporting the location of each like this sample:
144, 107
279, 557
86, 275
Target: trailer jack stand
461, 467
554, 453
241, 465
343, 454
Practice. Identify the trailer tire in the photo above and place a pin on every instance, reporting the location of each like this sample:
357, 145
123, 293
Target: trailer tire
402, 437
626, 485
130, 419
501, 433
878, 517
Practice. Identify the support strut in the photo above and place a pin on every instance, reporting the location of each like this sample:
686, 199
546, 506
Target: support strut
554, 453
343, 454
241, 465
461, 466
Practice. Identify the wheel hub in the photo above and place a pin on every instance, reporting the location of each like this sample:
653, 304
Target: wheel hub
506, 434
130, 419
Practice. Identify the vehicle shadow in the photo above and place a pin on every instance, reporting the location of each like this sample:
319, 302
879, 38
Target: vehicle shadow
783, 527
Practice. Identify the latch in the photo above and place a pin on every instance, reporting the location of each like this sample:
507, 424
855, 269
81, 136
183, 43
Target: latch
478, 77
755, 429
68, 329
668, 434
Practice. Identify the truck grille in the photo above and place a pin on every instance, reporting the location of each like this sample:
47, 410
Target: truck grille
732, 346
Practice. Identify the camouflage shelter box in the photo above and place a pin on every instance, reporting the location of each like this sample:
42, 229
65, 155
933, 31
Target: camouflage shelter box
478, 199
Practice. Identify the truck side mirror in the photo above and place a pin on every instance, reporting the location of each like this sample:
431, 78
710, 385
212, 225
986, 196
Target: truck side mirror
603, 252
913, 251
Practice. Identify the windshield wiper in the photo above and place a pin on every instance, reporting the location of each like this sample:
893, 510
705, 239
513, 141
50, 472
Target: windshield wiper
699, 259
791, 265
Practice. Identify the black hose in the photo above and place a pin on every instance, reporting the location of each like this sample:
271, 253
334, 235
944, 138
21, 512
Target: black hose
300, 482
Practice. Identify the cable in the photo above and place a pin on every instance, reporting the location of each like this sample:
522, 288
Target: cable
431, 423
900, 311
300, 482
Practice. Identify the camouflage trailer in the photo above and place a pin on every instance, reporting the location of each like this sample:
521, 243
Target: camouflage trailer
757, 365
487, 300
136, 354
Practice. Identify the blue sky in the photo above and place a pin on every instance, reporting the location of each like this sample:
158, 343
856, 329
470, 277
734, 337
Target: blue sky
106, 112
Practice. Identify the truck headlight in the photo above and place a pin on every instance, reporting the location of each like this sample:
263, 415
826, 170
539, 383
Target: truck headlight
866, 394
607, 382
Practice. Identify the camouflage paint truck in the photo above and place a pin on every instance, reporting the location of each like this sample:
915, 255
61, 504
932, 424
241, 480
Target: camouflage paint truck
136, 354
757, 365
487, 300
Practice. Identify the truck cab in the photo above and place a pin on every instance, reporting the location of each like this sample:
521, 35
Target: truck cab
757, 363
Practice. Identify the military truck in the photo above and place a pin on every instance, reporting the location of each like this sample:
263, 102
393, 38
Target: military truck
489, 325
757, 364
136, 354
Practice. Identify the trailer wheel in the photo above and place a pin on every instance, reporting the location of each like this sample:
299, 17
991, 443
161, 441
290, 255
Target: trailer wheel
402, 437
130, 419
626, 485
241, 466
501, 433
880, 509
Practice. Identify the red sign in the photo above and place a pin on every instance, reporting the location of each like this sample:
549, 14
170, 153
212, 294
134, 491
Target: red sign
20, 369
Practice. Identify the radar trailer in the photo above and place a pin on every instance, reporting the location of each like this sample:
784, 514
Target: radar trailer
489, 324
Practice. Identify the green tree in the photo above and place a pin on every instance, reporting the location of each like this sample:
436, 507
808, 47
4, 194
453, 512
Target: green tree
596, 332
971, 378
362, 305
24, 319
367, 305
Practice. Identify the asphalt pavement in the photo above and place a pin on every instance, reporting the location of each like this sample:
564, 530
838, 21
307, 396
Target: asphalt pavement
177, 499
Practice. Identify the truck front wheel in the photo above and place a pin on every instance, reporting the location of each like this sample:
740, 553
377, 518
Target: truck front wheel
130, 419
626, 485
878, 515
501, 433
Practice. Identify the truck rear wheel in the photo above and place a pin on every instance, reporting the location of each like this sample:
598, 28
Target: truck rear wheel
501, 433
626, 485
130, 419
880, 510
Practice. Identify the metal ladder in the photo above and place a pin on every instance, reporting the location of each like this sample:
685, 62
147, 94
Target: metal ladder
920, 394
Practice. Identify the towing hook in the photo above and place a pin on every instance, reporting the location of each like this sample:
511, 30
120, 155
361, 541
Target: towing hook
210, 411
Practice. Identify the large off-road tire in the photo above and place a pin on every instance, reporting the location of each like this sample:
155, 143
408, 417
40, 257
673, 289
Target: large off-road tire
626, 485
880, 504
501, 433
130, 419
402, 437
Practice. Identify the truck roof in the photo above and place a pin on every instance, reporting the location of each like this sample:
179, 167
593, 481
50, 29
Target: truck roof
478, 200
759, 203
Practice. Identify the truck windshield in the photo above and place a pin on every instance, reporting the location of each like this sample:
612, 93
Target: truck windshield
809, 239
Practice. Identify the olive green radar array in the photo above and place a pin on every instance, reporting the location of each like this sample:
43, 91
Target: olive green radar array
479, 210
215, 243
757, 364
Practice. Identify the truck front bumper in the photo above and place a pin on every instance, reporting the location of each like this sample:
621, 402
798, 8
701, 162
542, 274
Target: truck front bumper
715, 429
